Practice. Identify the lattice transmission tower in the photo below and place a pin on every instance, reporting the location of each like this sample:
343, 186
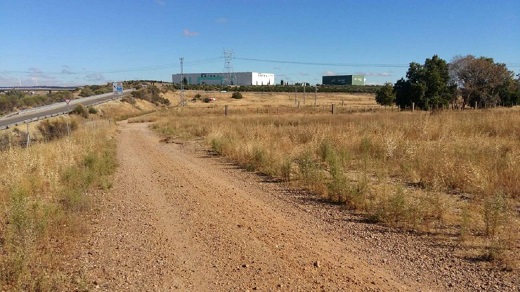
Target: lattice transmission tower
229, 74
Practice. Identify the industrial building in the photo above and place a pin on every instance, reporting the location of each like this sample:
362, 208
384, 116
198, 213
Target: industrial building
343, 80
238, 78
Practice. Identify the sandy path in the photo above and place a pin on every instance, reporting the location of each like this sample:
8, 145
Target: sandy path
178, 219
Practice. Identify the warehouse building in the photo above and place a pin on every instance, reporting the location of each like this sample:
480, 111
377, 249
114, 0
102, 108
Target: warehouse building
343, 80
238, 78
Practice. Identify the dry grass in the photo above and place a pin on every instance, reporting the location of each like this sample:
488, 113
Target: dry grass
273, 100
448, 172
43, 190
44, 193
118, 110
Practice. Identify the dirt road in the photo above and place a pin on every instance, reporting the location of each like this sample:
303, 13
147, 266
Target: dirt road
179, 219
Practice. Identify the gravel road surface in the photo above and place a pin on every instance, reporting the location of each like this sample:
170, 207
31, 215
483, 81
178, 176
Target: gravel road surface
181, 219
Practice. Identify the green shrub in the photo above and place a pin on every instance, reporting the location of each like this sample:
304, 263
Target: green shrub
495, 211
237, 95
80, 110
56, 129
285, 169
92, 110
128, 99
310, 174
151, 94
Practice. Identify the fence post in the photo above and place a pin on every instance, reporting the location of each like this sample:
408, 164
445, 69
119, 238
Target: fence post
333, 109
295, 97
316, 96
226, 107
413, 107
304, 94
28, 137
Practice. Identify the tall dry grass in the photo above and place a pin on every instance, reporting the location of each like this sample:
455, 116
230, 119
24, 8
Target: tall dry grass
43, 190
418, 171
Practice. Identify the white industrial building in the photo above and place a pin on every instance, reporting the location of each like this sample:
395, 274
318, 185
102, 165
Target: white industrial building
238, 78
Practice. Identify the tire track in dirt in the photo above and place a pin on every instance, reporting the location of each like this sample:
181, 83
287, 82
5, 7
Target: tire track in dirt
175, 220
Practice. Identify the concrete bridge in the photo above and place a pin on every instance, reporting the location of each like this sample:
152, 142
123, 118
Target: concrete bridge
38, 88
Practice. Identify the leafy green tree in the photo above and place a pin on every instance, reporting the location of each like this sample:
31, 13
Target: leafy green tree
426, 85
385, 95
510, 92
437, 78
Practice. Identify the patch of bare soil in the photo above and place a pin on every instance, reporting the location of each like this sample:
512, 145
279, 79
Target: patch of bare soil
178, 218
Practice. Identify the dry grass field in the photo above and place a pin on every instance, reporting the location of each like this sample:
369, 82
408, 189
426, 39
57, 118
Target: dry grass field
452, 173
46, 189
263, 101
42, 192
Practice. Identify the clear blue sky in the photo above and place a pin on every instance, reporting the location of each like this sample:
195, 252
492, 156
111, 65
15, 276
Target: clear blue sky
75, 42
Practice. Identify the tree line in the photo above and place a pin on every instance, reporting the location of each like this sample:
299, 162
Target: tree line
465, 81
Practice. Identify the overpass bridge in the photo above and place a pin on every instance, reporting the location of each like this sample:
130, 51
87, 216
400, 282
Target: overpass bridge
38, 88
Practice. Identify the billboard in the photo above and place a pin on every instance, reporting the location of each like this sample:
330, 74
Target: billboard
344, 80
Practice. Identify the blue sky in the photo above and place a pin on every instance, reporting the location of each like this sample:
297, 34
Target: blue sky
75, 42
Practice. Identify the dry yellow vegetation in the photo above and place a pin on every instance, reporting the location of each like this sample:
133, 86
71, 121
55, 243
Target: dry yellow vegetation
43, 190
455, 173
259, 100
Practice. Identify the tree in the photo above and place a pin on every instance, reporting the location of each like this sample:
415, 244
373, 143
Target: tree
510, 92
426, 85
385, 95
481, 80
436, 76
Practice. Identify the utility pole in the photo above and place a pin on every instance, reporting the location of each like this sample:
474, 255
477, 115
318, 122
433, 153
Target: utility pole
182, 81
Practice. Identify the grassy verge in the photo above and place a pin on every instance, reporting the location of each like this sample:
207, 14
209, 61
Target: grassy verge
454, 173
44, 190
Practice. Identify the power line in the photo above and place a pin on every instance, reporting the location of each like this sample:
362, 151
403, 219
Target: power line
325, 64
123, 70
510, 65
218, 59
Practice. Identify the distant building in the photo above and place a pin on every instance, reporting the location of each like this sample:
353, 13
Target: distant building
343, 80
238, 78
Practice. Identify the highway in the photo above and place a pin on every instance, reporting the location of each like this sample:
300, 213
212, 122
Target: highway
38, 113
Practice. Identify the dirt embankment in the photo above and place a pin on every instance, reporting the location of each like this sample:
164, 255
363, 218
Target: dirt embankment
180, 219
